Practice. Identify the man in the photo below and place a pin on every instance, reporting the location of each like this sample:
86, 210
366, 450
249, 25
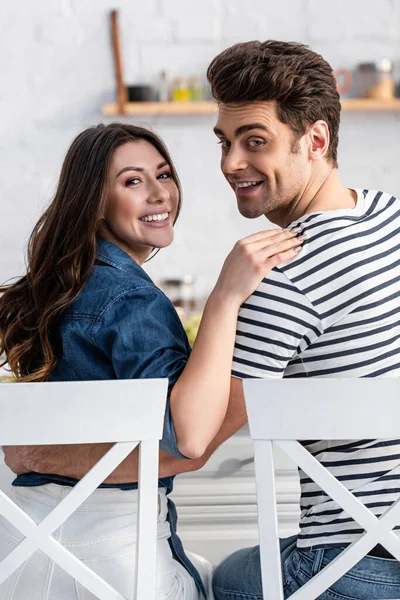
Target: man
333, 311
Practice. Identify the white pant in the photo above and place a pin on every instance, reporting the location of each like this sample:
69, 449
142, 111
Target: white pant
102, 534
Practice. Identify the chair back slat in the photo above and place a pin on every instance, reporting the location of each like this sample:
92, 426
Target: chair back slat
64, 509
147, 520
325, 409
283, 411
268, 519
64, 559
82, 411
79, 413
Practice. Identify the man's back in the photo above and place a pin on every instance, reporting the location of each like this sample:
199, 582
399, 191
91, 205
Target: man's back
334, 312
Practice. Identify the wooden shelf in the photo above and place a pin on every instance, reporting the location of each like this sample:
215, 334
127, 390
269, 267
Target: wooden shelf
162, 108
209, 107
368, 104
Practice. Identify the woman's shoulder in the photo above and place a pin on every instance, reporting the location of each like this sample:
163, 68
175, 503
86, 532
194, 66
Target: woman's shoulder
115, 276
107, 286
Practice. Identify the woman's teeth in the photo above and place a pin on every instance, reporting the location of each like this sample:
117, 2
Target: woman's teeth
149, 218
247, 184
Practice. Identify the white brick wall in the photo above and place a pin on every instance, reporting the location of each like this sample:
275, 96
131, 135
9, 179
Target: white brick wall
353, 20
56, 71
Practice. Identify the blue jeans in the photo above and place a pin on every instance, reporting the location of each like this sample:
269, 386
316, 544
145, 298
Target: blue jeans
238, 577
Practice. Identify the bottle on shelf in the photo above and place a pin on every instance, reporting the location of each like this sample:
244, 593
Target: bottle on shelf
165, 86
196, 89
180, 91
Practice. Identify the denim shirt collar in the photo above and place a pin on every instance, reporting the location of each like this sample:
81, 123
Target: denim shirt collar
112, 255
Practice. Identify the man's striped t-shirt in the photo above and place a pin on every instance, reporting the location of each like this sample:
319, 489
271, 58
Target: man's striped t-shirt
334, 311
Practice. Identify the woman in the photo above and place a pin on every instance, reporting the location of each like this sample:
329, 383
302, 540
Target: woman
87, 310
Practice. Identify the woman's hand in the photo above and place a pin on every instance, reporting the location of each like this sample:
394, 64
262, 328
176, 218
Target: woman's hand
252, 258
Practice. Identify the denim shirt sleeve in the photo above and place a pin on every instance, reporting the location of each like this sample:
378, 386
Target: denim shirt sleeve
141, 333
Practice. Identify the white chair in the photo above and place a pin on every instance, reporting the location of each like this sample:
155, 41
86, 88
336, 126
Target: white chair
127, 412
283, 411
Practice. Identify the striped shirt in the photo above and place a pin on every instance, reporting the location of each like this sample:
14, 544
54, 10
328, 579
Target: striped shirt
334, 311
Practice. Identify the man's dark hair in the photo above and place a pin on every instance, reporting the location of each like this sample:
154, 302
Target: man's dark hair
299, 80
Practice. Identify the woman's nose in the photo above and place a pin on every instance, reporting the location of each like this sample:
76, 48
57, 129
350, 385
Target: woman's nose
158, 192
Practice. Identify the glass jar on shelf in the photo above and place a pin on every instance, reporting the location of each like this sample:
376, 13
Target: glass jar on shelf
180, 91
375, 80
196, 89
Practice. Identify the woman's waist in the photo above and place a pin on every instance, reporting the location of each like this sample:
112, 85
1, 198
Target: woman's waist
51, 494
39, 479
104, 511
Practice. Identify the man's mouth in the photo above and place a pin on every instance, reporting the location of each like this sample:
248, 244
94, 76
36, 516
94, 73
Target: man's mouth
247, 187
245, 184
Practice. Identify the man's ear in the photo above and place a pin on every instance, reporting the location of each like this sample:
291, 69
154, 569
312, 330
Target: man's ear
318, 140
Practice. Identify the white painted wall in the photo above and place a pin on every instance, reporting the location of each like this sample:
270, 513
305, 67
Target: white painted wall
56, 71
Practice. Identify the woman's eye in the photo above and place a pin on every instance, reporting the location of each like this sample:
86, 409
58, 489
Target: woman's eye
133, 181
165, 176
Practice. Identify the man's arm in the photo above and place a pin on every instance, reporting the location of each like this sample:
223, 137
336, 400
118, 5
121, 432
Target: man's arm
75, 461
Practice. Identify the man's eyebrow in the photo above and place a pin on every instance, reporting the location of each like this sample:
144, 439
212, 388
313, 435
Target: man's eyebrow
140, 169
242, 129
218, 131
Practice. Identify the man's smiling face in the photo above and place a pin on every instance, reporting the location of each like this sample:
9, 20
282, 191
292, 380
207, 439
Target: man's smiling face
266, 165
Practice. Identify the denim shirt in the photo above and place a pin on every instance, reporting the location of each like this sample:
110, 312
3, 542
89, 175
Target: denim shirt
122, 326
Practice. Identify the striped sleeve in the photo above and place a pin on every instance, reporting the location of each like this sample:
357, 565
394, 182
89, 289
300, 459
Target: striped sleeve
275, 324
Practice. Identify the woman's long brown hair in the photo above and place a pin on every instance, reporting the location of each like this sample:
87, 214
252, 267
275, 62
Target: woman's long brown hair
62, 251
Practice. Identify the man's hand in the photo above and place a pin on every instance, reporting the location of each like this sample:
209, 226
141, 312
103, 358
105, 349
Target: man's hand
16, 458
75, 461
70, 461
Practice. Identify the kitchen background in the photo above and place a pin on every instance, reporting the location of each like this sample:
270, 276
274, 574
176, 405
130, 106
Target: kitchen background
57, 72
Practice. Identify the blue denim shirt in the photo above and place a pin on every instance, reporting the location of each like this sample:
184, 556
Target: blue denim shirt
123, 327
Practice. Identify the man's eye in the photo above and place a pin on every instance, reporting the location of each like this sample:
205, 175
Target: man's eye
256, 143
225, 145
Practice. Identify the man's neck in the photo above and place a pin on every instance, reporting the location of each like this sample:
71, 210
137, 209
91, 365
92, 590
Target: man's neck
322, 193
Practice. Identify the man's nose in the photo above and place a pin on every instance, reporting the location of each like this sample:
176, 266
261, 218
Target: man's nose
233, 161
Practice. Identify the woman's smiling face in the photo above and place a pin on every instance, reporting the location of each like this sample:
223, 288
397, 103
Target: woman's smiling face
143, 200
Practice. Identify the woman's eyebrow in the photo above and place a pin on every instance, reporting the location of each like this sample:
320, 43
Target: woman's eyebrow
140, 169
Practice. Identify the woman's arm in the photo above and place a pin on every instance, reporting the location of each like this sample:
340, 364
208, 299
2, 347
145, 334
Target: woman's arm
199, 398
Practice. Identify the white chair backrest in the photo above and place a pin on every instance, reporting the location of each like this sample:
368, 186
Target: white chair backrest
283, 411
124, 412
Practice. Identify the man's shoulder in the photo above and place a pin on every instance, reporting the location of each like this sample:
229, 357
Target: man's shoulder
371, 207
340, 244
